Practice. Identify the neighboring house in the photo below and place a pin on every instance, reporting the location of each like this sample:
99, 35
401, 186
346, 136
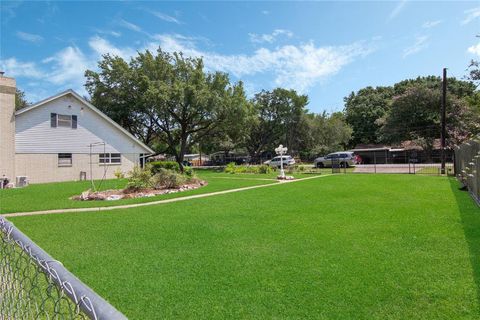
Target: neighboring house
407, 151
62, 138
196, 159
224, 157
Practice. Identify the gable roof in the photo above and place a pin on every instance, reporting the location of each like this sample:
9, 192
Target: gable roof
89, 105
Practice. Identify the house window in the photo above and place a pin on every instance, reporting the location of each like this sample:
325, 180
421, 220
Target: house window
63, 120
64, 159
110, 158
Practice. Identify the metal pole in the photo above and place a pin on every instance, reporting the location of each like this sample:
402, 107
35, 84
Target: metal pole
375, 161
91, 169
444, 115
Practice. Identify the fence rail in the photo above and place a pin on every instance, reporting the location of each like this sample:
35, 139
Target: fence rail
467, 166
35, 286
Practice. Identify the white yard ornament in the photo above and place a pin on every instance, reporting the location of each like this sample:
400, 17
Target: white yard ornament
281, 150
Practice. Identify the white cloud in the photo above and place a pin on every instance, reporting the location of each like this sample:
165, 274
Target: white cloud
292, 66
67, 66
129, 25
165, 17
65, 69
471, 15
396, 11
271, 37
298, 67
265, 12
420, 44
115, 34
431, 24
30, 37
15, 68
102, 46
475, 49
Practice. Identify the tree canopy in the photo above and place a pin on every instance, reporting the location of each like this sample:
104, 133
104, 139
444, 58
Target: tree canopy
410, 110
165, 98
20, 100
174, 105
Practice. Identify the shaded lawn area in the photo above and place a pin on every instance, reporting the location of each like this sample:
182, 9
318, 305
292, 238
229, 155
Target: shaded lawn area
48, 196
339, 247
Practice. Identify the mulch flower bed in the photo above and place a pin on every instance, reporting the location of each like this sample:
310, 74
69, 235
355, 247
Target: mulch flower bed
111, 195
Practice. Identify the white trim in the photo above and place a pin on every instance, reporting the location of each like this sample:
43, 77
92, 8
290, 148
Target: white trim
91, 106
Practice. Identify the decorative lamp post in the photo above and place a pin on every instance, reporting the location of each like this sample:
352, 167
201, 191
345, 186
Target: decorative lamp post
281, 150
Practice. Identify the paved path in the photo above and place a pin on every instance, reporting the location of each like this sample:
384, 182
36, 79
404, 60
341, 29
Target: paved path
236, 178
144, 204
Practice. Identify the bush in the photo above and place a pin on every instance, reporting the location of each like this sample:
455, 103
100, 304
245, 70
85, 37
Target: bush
119, 174
265, 169
165, 178
169, 165
230, 168
188, 171
139, 179
262, 169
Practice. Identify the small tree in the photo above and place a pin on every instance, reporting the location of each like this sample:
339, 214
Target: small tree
20, 100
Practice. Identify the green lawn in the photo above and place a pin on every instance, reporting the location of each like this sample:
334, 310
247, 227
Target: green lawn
56, 195
338, 247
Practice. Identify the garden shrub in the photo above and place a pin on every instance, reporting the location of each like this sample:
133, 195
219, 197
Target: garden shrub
169, 165
188, 171
242, 169
139, 179
165, 178
119, 174
264, 169
230, 168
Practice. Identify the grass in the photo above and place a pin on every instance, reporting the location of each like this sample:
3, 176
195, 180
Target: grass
56, 195
339, 247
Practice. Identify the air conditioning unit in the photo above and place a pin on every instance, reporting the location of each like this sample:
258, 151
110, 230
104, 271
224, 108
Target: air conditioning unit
21, 181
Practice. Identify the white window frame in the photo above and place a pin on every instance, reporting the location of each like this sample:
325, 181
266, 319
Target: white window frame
62, 159
66, 122
110, 158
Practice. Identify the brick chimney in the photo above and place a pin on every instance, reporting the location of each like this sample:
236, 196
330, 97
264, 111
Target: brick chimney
7, 127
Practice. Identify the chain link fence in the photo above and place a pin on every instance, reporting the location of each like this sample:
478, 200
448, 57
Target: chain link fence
35, 286
467, 166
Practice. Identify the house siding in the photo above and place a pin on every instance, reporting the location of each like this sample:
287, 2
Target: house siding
43, 167
34, 133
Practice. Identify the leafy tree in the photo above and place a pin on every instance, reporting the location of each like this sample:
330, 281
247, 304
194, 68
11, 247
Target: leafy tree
165, 97
474, 71
362, 109
368, 109
328, 133
458, 88
415, 115
20, 100
277, 116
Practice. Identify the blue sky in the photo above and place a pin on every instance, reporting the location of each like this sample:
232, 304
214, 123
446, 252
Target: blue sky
323, 49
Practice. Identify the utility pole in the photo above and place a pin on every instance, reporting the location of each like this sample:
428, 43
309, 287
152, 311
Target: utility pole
444, 115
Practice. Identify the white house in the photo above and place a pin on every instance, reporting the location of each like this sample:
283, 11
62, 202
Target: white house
62, 138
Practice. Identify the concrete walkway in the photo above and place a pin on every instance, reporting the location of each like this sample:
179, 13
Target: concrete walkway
236, 178
152, 203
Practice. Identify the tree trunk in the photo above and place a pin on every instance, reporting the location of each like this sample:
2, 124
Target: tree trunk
181, 154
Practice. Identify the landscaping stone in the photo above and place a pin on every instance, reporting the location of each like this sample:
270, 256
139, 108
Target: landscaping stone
113, 195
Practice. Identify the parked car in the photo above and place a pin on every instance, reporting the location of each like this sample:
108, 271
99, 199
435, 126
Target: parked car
275, 162
343, 158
